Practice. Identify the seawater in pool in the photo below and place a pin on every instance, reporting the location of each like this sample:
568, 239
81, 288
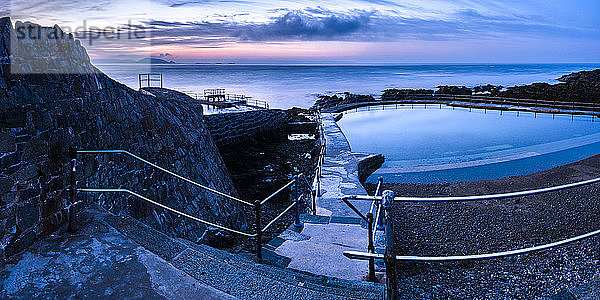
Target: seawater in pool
446, 144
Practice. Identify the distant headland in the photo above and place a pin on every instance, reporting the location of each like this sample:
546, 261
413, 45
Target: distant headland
147, 60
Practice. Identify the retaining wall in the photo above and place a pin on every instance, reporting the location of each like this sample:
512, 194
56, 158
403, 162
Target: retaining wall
43, 115
231, 128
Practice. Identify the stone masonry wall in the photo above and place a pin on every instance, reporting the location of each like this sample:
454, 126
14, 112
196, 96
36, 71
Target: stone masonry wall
43, 115
231, 128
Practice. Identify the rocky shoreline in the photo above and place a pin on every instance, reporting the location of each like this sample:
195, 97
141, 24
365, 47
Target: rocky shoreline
580, 87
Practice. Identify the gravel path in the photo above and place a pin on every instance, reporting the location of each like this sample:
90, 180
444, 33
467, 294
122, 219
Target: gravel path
499, 225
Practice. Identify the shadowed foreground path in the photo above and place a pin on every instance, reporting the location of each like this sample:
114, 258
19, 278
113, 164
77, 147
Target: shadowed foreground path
97, 262
120, 258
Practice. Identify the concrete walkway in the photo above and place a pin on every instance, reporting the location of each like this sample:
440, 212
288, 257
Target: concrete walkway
117, 257
318, 247
97, 262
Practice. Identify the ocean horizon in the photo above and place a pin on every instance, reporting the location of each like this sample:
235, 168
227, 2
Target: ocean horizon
289, 85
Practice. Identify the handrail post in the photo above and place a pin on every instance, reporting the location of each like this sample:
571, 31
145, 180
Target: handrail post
390, 261
259, 233
314, 202
381, 218
371, 248
319, 181
296, 194
73, 226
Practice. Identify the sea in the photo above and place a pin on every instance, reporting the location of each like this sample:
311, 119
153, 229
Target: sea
286, 86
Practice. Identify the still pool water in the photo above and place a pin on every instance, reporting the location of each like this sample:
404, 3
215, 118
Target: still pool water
445, 144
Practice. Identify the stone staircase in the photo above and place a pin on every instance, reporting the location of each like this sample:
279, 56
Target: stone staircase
241, 275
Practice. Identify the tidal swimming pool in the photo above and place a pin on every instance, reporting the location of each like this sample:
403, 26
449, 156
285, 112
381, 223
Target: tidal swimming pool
448, 144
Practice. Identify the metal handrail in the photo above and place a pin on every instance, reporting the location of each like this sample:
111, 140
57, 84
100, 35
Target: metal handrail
388, 198
378, 216
356, 211
318, 173
572, 108
379, 219
256, 205
166, 171
367, 256
479, 197
379, 182
311, 206
505, 99
369, 220
280, 215
257, 103
279, 191
562, 109
322, 152
88, 190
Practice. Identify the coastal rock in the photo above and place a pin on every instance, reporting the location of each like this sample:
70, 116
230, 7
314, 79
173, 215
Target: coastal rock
576, 87
488, 89
405, 94
328, 101
583, 76
453, 90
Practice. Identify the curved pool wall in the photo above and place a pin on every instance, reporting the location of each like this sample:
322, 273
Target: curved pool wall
450, 144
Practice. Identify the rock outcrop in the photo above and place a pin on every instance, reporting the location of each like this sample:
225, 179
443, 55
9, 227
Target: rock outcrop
402, 94
327, 101
453, 90
69, 103
576, 87
582, 77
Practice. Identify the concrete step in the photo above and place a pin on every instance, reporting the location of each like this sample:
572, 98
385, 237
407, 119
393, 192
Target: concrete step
345, 288
241, 275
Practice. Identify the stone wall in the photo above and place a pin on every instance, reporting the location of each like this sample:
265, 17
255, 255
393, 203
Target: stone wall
368, 164
43, 115
231, 128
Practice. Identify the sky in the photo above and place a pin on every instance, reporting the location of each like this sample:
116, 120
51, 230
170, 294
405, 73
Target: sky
344, 31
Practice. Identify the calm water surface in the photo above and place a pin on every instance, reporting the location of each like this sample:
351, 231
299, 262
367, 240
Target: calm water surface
451, 145
287, 86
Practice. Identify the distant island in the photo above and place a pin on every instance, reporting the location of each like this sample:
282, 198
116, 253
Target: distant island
147, 60
154, 61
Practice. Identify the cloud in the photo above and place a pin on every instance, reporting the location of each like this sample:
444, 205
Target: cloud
202, 2
291, 26
387, 3
321, 24
304, 26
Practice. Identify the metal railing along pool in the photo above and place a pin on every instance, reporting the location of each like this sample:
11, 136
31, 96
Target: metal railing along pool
387, 200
